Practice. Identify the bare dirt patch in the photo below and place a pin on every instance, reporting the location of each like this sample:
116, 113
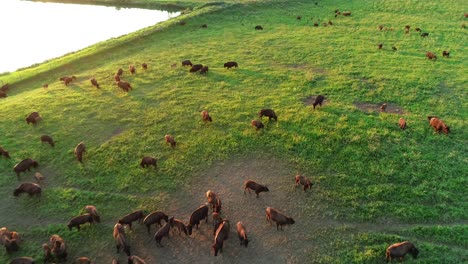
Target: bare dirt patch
369, 108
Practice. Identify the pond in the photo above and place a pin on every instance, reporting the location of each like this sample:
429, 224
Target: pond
32, 32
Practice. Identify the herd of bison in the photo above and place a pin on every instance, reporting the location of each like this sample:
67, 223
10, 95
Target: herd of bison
56, 249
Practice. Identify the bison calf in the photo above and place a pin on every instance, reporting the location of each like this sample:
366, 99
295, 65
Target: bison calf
399, 250
445, 53
47, 139
169, 139
431, 56
278, 217
94, 83
132, 69
124, 86
242, 234
257, 124
206, 116
402, 123
79, 150
303, 181
204, 70
258, 188
144, 66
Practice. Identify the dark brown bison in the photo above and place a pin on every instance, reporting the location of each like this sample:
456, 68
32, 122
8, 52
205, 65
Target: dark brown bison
162, 232
148, 161
4, 153
204, 70
25, 165
117, 78
155, 218
242, 234
124, 86
94, 83
424, 34
169, 139
431, 56
383, 107
394, 48
206, 116
380, 46
303, 181
135, 260
29, 188
196, 67
417, 29
199, 214
91, 209
45, 85
278, 217
407, 27
3, 94
399, 250
187, 63
120, 72
402, 123
179, 225
33, 118
80, 220
316, 24
258, 188
47, 139
137, 215
330, 23
318, 101
231, 64
222, 233
269, 113
5, 88
82, 260
132, 69
258, 27
445, 53
120, 239
257, 124
439, 125
79, 150
23, 260
144, 66
298, 17
204, 26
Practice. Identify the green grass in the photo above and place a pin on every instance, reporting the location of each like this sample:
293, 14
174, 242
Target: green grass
367, 169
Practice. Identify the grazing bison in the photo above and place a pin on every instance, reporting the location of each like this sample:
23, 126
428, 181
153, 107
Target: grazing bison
298, 17
394, 48
196, 67
80, 220
316, 24
257, 124
346, 13
231, 64
214, 201
91, 209
79, 150
162, 232
155, 218
204, 70
242, 234
45, 85
303, 181
169, 139
82, 260
222, 233
258, 188
132, 70
29, 188
94, 83
424, 34
148, 161
120, 239
144, 66
187, 63
383, 107
124, 86
204, 26
179, 225
4, 153
59, 250
117, 78
3, 94
380, 46
67, 80
399, 250
5, 87
445, 53
39, 177
135, 260
206, 116
199, 214
318, 101
402, 123
278, 217
120, 72
417, 29
23, 260
33, 118
439, 125
258, 27
137, 215
24, 165
47, 139
269, 113
431, 56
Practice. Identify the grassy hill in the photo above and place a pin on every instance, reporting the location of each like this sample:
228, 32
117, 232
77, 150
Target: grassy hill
375, 184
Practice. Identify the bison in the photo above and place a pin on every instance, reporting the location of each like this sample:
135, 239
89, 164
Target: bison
91, 209
80, 220
199, 214
162, 232
439, 125
120, 239
79, 150
137, 215
269, 113
196, 67
47, 139
303, 181
383, 107
187, 63
204, 70
3, 94
257, 124
39, 177
402, 123
5, 87
399, 250
394, 48
23, 260
4, 153
94, 83
33, 118
24, 165
318, 101
82, 260
242, 234
346, 13
124, 86
424, 34
258, 27
120, 72
117, 78
135, 260
204, 26
214, 201
278, 217
431, 56
258, 188
222, 233
179, 225
67, 80
445, 53
148, 161
169, 139
231, 64
132, 70
206, 116
380, 46
155, 218
144, 66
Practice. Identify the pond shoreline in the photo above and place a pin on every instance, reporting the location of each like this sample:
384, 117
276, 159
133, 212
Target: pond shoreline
167, 6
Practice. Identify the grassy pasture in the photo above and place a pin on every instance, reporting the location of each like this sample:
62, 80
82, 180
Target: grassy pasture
375, 184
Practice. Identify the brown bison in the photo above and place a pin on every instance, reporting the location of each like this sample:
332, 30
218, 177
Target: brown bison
206, 116
199, 214
144, 66
187, 63
222, 233
59, 249
29, 188
79, 150
162, 232
3, 94
120, 72
216, 221
67, 80
424, 34
417, 29
132, 70
257, 124
94, 83
214, 201
135, 260
402, 123
242, 234
124, 86
303, 181
431, 56
204, 26
9, 239
318, 101
346, 13
383, 107
169, 139
82, 260
4, 153
33, 118
231, 64
24, 165
120, 239
155, 218
45, 85
137, 215
269, 113
407, 27
258, 27
204, 70
439, 125
23, 260
117, 78
445, 53
5, 87
196, 67
394, 48
91, 209
148, 161
80, 220
258, 188
179, 225
399, 250
278, 217
380, 46
47, 139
